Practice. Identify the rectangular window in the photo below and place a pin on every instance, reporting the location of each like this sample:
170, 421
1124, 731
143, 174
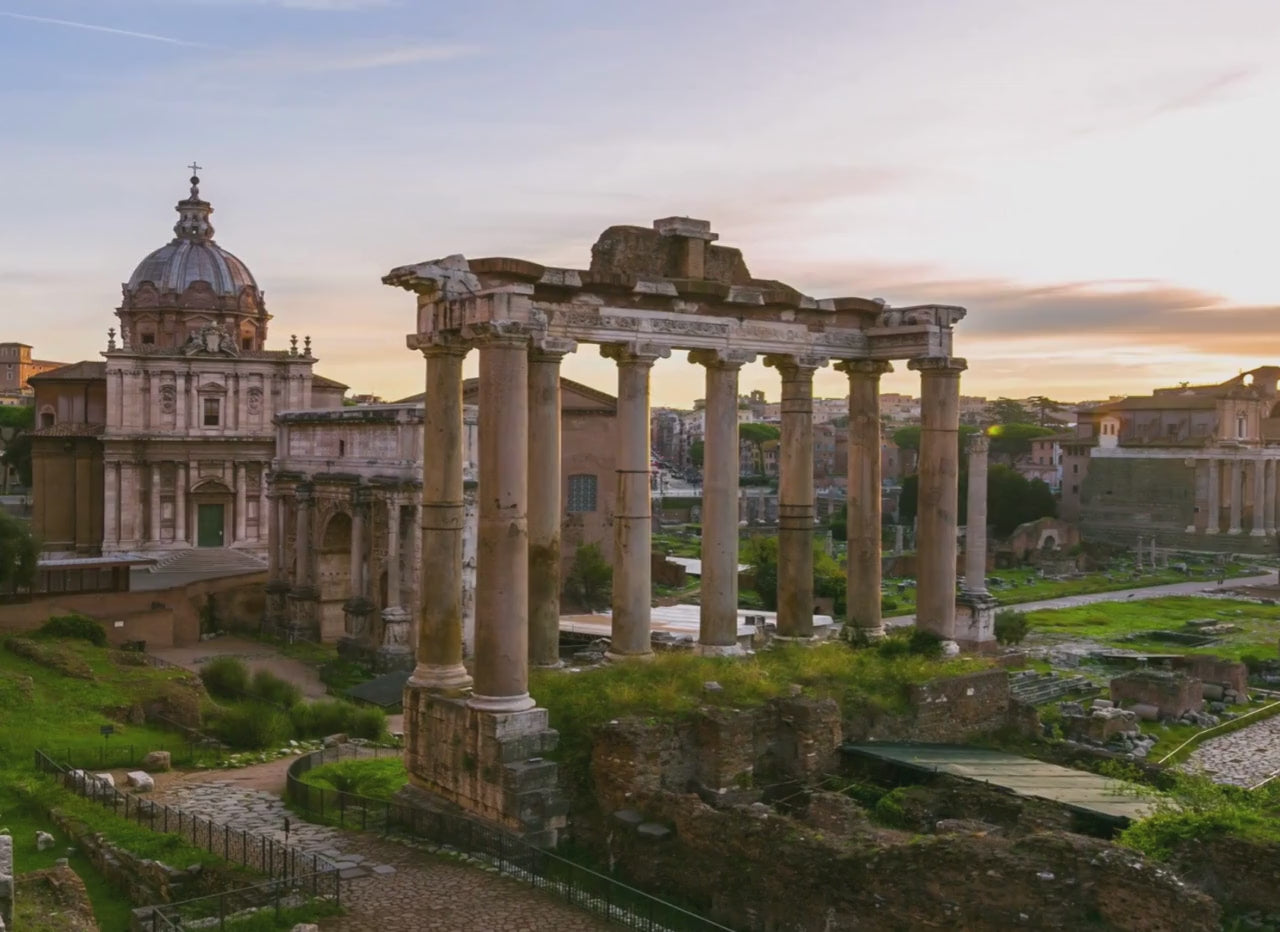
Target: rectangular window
582, 494
211, 412
1075, 469
148, 338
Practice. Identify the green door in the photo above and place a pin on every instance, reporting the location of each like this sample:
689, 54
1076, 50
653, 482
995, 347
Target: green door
209, 526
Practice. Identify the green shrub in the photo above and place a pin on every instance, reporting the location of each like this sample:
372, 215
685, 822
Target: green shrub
226, 677
888, 603
368, 722
74, 626
1011, 627
325, 717
253, 727
889, 809
379, 778
267, 687
911, 642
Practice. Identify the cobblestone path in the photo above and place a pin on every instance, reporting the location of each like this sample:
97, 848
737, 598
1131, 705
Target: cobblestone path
1241, 758
391, 887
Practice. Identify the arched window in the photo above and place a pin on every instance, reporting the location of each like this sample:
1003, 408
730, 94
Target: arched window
582, 493
1242, 427
47, 417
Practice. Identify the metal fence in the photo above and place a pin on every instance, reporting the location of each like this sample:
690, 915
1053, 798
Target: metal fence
260, 853
111, 755
232, 907
510, 855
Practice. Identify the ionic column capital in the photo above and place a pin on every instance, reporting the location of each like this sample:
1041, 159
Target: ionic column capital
635, 353
437, 345
721, 358
550, 349
864, 368
979, 443
938, 366
791, 365
499, 333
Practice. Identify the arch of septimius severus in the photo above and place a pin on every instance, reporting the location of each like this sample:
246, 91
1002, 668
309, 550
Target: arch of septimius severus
478, 740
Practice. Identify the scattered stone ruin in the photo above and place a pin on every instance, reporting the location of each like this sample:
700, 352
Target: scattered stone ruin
6, 882
1156, 695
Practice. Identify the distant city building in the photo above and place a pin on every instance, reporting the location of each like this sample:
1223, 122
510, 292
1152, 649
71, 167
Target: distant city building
16, 369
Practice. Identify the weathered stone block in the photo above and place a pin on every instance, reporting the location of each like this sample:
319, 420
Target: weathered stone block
1173, 694
141, 781
156, 761
44, 841
1226, 675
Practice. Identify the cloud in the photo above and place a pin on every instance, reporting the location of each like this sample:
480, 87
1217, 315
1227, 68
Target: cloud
322, 6
151, 37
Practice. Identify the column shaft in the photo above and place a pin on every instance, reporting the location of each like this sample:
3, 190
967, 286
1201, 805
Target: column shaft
1235, 494
1269, 503
633, 517
718, 611
302, 545
273, 539
1258, 468
795, 497
502, 552
1213, 521
439, 649
393, 553
180, 503
154, 509
264, 506
938, 492
355, 571
544, 508
863, 521
241, 500
111, 504
975, 535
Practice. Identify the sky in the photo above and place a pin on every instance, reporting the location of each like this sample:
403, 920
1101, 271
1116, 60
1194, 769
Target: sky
1094, 181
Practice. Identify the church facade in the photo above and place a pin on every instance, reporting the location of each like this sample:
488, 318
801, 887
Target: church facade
178, 451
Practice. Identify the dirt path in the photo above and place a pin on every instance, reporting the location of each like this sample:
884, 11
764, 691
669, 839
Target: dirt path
257, 656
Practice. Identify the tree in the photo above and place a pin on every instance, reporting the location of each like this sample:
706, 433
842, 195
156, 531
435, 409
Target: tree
908, 499
1008, 411
829, 580
19, 553
590, 579
907, 438
695, 453
17, 453
1010, 441
1044, 407
1012, 499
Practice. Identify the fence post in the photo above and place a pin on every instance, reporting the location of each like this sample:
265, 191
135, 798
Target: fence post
226, 841
222, 910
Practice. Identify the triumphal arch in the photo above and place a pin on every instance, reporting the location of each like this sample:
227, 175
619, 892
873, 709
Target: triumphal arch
477, 739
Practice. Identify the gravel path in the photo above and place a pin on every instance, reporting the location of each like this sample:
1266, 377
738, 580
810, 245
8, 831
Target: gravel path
1240, 758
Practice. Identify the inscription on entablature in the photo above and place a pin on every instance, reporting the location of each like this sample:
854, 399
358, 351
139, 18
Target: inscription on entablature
701, 328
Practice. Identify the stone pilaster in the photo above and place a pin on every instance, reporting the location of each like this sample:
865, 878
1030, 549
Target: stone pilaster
544, 501
180, 503
939, 489
795, 495
153, 509
1258, 467
502, 551
1236, 493
718, 611
276, 611
1269, 505
863, 521
110, 506
241, 504
633, 517
358, 609
264, 507
1213, 520
439, 665
304, 597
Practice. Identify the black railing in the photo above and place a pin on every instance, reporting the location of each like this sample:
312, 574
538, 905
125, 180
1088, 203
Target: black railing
509, 854
260, 853
232, 907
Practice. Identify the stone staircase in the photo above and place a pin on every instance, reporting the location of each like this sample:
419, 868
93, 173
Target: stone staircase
209, 561
1037, 688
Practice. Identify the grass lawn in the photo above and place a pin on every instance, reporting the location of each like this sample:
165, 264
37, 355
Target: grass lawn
671, 686
1111, 622
65, 713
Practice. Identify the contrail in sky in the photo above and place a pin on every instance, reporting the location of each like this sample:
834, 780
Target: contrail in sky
93, 28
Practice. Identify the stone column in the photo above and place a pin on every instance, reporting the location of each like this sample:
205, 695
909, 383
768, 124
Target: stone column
180, 503
395, 652
502, 551
241, 500
1269, 505
180, 402
975, 535
544, 502
863, 521
718, 612
154, 509
633, 516
355, 570
936, 511
1257, 467
110, 504
1237, 481
273, 542
1214, 505
393, 557
795, 495
439, 650
302, 543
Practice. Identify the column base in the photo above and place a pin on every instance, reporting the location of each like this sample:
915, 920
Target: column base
976, 622
558, 665
1257, 532
1211, 530
520, 703
1191, 529
1233, 530
484, 764
719, 650
858, 634
788, 639
357, 620
618, 657
446, 680
303, 619
395, 653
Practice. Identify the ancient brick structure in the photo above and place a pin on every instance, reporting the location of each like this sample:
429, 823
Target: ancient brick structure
1169, 695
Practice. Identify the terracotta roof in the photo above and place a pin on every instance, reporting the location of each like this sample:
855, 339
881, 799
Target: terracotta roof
326, 383
1196, 402
70, 430
76, 371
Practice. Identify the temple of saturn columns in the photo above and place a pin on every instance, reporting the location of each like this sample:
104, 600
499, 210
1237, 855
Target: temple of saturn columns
476, 738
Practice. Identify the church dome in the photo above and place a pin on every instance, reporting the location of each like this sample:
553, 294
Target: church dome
193, 256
